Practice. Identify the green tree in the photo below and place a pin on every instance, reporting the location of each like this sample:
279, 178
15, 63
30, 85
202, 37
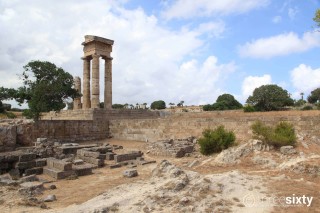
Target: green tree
270, 97
314, 96
223, 102
316, 17
229, 101
117, 106
158, 105
6, 94
45, 87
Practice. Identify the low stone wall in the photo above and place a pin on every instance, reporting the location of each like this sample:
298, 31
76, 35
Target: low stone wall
93, 114
183, 125
25, 134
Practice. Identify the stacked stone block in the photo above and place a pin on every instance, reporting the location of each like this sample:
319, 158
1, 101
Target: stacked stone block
93, 157
58, 169
24, 163
128, 156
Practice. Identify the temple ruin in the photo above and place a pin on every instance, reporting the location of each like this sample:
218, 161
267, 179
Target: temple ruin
95, 47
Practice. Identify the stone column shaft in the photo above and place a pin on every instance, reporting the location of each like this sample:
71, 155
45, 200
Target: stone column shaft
95, 102
86, 84
108, 83
77, 86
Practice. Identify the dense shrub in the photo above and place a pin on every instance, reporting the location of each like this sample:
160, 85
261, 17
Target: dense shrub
215, 140
308, 107
249, 108
299, 103
282, 134
158, 105
10, 115
27, 113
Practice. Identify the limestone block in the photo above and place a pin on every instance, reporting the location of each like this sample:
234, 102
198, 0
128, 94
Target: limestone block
57, 174
29, 178
97, 162
29, 187
83, 169
27, 157
59, 164
130, 173
25, 165
129, 156
11, 158
110, 156
35, 170
41, 162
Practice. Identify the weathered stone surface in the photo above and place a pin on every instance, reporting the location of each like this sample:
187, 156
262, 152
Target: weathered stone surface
58, 174
97, 162
50, 198
29, 178
8, 138
35, 170
15, 174
25, 165
130, 173
27, 157
31, 188
128, 156
288, 150
110, 156
41, 162
232, 155
118, 165
59, 164
78, 162
42, 140
82, 170
173, 148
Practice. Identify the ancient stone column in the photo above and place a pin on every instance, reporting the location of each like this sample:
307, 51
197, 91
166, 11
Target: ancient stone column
108, 83
77, 86
95, 102
86, 83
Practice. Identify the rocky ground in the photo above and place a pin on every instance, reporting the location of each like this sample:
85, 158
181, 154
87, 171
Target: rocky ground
246, 178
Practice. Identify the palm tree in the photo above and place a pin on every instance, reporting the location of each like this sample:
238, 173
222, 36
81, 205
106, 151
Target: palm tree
301, 95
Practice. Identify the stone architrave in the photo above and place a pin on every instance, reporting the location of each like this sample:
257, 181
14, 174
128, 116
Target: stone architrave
94, 48
77, 86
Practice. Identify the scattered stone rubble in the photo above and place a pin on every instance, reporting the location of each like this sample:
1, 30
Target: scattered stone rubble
173, 148
64, 160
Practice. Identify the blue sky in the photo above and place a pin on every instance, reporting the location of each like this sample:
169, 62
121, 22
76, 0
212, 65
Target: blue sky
170, 49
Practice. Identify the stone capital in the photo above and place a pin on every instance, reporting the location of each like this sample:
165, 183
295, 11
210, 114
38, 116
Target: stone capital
86, 58
95, 56
107, 58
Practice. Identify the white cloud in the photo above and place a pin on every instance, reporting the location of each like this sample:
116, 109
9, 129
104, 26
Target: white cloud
252, 82
149, 60
190, 8
305, 79
279, 45
277, 19
213, 29
292, 12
